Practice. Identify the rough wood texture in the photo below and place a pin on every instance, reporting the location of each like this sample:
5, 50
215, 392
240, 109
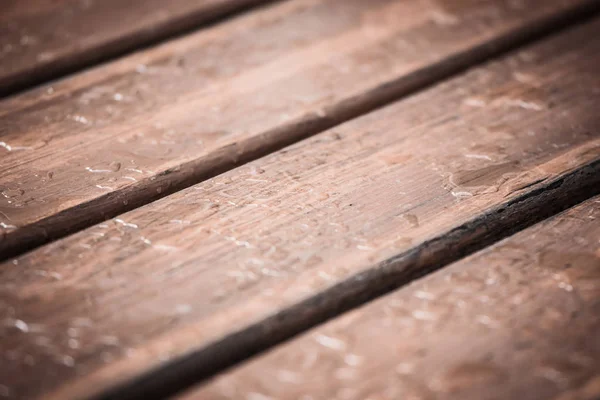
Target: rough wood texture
519, 320
119, 136
258, 253
41, 39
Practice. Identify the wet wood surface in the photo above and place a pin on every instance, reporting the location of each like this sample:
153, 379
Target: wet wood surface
42, 39
519, 320
240, 261
121, 135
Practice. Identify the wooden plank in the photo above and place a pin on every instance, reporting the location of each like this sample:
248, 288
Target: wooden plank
42, 39
233, 264
519, 320
124, 134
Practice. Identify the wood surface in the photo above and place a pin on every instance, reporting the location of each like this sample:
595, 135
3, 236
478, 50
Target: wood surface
161, 296
121, 135
519, 320
42, 39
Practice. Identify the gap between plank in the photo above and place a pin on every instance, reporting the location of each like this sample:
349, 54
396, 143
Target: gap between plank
543, 201
136, 41
485, 327
274, 140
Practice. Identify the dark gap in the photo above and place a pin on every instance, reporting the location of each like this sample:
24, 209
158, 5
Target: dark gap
135, 41
146, 191
542, 202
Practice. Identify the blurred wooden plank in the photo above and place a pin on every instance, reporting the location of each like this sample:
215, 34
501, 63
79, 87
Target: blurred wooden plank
519, 320
42, 39
236, 263
119, 136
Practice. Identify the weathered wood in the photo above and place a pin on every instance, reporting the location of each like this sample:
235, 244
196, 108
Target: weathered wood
519, 320
124, 134
42, 39
238, 262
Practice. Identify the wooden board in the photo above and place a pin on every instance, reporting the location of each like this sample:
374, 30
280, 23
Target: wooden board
519, 320
234, 264
42, 39
124, 134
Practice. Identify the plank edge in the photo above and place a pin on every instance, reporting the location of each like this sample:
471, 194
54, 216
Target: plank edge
40, 73
45, 230
543, 201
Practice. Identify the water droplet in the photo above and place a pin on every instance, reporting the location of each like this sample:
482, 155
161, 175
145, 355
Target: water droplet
444, 18
110, 340
12, 193
330, 342
97, 171
405, 368
478, 156
104, 187
254, 170
14, 148
289, 377
54, 275
474, 102
527, 105
6, 146
127, 224
81, 119
68, 361
461, 194
412, 219
27, 40
424, 315
115, 166
423, 295
353, 360
183, 308
565, 286
180, 222
527, 79
45, 56
486, 320
364, 247
21, 325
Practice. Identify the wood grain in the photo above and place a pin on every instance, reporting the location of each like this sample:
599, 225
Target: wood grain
42, 39
119, 136
234, 264
519, 320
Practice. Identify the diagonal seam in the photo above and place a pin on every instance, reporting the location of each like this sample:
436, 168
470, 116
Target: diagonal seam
547, 199
196, 171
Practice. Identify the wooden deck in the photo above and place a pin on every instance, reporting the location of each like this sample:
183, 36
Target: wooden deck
518, 320
391, 199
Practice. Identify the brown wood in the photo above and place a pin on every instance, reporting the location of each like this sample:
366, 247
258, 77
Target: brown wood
238, 262
41, 39
124, 134
519, 320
